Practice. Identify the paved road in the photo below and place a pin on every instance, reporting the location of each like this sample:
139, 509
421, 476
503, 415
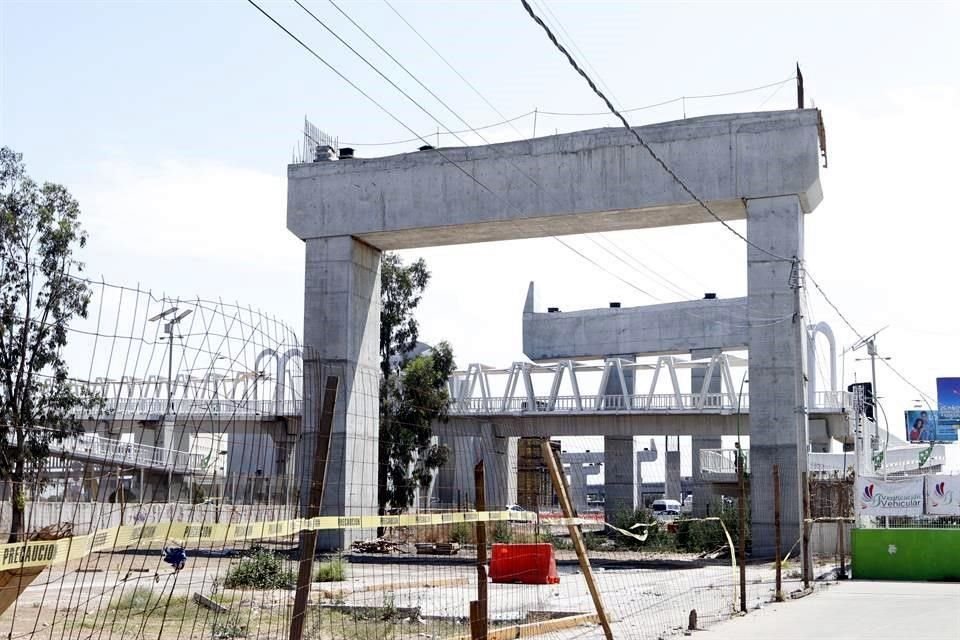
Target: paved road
853, 610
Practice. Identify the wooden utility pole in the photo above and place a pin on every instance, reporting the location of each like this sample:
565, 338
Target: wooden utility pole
560, 483
308, 539
778, 593
479, 609
807, 564
742, 527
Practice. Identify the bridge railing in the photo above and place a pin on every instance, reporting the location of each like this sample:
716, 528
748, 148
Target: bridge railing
221, 409
656, 403
722, 461
93, 446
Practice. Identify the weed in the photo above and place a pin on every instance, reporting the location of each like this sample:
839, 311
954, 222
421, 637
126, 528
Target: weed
262, 570
334, 570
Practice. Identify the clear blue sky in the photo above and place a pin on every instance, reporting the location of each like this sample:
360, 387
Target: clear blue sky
174, 121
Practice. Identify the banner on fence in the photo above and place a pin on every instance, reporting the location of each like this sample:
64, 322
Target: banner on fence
879, 497
943, 495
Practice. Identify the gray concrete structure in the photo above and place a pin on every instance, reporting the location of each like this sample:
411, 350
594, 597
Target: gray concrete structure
762, 166
671, 460
618, 455
703, 497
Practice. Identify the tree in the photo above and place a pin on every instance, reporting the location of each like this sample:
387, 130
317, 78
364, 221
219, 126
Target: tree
39, 231
401, 288
413, 392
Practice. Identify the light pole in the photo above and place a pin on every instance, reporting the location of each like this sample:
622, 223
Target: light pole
167, 424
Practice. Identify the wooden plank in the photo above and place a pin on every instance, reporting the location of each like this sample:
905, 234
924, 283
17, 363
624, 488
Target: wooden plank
560, 484
533, 629
778, 591
308, 539
479, 608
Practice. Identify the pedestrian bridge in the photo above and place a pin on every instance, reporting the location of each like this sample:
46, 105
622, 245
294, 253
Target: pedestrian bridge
518, 390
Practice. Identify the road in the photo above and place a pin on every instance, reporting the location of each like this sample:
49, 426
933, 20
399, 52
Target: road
854, 610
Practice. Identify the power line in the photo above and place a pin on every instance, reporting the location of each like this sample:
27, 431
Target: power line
447, 62
861, 336
405, 126
364, 93
675, 100
640, 140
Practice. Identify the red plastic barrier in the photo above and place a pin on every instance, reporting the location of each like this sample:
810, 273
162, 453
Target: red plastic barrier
525, 563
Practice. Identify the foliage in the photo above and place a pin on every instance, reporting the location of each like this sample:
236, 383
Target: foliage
699, 536
502, 532
334, 570
262, 570
413, 392
401, 288
658, 537
461, 533
39, 232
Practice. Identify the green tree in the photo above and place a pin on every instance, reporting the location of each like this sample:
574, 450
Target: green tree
413, 392
401, 288
39, 231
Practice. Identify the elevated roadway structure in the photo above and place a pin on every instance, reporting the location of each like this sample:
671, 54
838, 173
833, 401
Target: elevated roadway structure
761, 167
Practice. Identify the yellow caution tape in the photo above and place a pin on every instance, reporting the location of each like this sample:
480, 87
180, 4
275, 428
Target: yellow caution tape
42, 553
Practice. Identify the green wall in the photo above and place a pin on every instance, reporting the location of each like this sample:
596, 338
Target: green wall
906, 554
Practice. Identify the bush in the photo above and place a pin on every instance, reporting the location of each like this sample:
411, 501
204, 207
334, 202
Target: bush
502, 532
657, 535
262, 570
461, 533
698, 536
334, 570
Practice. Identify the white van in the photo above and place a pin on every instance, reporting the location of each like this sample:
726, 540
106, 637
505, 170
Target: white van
665, 505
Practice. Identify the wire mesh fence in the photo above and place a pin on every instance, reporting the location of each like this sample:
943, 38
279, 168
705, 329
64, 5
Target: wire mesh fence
220, 486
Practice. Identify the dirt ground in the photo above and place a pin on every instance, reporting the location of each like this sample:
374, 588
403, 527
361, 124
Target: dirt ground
136, 596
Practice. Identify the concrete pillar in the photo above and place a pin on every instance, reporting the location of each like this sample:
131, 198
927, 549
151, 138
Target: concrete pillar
578, 486
454, 485
342, 337
671, 479
618, 456
703, 497
499, 454
778, 417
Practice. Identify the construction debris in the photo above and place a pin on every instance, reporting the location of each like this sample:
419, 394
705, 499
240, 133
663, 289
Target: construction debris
379, 545
437, 548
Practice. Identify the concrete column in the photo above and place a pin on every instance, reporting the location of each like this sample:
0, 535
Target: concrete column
703, 496
671, 458
454, 483
499, 454
778, 417
618, 457
342, 337
578, 486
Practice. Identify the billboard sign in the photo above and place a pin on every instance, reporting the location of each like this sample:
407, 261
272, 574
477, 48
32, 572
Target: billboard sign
924, 426
879, 497
948, 399
943, 495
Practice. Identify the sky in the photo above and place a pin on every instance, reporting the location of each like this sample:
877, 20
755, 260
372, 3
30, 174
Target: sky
173, 123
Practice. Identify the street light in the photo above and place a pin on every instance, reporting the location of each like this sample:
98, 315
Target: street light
168, 414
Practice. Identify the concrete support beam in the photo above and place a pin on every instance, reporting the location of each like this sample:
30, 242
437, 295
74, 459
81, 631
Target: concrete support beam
499, 454
660, 329
778, 418
454, 487
422, 199
671, 488
703, 496
342, 337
